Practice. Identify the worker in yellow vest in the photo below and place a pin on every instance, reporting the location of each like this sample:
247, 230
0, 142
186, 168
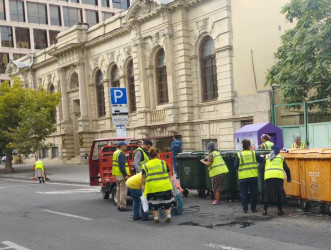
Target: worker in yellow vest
297, 143
217, 170
156, 185
121, 172
266, 143
141, 155
39, 171
274, 192
246, 163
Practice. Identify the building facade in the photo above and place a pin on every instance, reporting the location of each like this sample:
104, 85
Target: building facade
28, 26
192, 67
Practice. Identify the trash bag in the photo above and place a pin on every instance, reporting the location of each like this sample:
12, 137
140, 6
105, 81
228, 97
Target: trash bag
144, 203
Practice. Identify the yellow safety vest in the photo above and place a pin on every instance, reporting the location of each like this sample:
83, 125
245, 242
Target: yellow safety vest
157, 177
302, 145
39, 164
116, 166
248, 166
146, 158
267, 145
218, 165
274, 168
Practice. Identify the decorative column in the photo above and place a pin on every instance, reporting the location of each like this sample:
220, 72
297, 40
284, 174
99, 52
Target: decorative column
64, 94
82, 91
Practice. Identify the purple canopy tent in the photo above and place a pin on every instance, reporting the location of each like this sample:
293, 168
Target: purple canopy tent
253, 132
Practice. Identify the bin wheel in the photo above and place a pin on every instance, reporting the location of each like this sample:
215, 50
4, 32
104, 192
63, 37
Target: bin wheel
305, 206
185, 192
201, 192
113, 195
105, 195
210, 193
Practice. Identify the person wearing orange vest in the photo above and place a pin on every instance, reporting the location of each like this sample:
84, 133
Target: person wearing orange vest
274, 192
217, 170
247, 165
156, 185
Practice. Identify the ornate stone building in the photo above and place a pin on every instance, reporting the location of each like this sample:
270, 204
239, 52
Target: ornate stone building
191, 66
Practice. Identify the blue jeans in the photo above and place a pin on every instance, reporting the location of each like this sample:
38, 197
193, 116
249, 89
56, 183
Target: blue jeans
252, 186
137, 208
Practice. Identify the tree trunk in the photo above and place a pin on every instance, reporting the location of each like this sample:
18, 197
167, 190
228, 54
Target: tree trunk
9, 165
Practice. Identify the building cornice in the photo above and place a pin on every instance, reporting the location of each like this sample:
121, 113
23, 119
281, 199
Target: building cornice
44, 63
65, 48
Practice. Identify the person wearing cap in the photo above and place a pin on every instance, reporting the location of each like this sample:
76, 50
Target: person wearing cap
266, 143
121, 173
274, 192
297, 142
247, 165
217, 170
141, 155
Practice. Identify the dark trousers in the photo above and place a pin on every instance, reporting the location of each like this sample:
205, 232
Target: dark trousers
252, 187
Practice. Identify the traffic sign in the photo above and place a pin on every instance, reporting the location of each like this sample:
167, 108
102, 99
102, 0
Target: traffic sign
117, 110
120, 131
118, 96
120, 119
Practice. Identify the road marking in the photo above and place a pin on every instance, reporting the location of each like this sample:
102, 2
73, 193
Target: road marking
17, 186
12, 245
68, 215
74, 191
217, 246
48, 183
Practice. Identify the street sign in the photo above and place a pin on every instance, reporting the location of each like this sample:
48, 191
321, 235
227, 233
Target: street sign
120, 131
120, 119
117, 110
118, 96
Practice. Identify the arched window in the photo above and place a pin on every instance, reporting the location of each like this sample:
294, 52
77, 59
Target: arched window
132, 91
115, 76
74, 81
161, 77
100, 94
208, 70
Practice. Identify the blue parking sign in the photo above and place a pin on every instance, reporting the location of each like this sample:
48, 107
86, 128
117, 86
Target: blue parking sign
118, 96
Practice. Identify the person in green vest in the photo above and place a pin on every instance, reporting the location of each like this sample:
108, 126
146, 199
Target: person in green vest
297, 142
217, 170
156, 185
121, 172
247, 165
39, 169
274, 192
266, 143
141, 155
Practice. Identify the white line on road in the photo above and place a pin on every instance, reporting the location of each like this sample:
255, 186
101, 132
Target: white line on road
12, 245
217, 246
48, 183
74, 191
68, 215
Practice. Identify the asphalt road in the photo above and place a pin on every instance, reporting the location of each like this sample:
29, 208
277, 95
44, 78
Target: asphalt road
70, 216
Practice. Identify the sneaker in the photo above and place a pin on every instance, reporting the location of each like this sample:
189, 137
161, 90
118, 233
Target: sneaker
280, 212
156, 220
136, 218
216, 202
264, 212
168, 220
245, 211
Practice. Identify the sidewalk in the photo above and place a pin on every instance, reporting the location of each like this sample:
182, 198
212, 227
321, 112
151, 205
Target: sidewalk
69, 173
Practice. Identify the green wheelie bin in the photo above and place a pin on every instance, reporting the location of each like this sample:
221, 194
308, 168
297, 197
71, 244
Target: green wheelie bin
191, 171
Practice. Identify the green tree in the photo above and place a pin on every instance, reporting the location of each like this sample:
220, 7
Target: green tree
304, 58
26, 119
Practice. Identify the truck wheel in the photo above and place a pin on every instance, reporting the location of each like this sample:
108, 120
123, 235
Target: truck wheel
305, 206
185, 192
105, 195
113, 195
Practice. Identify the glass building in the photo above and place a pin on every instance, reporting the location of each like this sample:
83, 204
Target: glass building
27, 26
